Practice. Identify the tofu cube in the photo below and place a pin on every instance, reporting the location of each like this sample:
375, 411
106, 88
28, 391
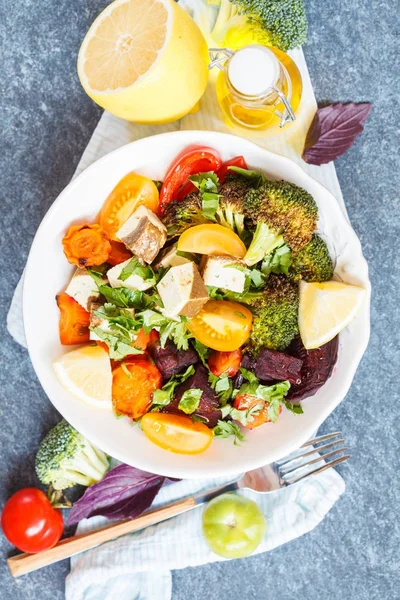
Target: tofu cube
83, 289
134, 282
170, 258
144, 234
222, 272
182, 290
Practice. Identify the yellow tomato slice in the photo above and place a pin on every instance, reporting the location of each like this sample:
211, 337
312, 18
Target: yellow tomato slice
132, 191
211, 239
222, 325
176, 433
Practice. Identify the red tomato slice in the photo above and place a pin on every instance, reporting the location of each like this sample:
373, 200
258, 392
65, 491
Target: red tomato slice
196, 160
238, 161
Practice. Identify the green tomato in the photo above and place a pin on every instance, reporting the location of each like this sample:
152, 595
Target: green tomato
233, 525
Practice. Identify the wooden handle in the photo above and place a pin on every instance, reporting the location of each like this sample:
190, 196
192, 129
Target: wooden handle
25, 563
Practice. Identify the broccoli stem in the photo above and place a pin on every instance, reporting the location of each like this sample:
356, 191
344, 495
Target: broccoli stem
263, 243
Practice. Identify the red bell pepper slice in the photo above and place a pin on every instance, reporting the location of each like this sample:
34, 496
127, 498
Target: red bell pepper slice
197, 160
184, 190
238, 161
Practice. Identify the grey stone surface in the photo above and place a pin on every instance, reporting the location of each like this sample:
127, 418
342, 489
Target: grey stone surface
46, 122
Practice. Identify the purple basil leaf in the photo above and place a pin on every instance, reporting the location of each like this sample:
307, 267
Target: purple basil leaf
124, 493
333, 131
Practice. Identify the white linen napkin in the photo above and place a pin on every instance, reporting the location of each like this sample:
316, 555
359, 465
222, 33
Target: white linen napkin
138, 565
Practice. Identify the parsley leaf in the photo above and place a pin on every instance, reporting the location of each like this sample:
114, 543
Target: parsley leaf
294, 408
134, 267
203, 352
119, 346
225, 429
223, 387
255, 177
118, 318
164, 396
207, 184
97, 277
277, 262
190, 400
169, 329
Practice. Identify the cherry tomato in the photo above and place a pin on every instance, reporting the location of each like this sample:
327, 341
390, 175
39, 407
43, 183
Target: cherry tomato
233, 525
30, 522
238, 161
176, 433
245, 402
134, 381
211, 239
196, 160
119, 253
225, 363
222, 325
132, 191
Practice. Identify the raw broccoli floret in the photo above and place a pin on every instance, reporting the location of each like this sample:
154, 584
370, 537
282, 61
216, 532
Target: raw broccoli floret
312, 262
279, 23
65, 458
275, 315
180, 215
281, 212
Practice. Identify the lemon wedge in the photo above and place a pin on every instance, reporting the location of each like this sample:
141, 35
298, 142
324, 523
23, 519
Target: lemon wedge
325, 309
144, 61
86, 373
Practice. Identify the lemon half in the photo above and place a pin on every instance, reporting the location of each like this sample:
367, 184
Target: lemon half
144, 61
325, 309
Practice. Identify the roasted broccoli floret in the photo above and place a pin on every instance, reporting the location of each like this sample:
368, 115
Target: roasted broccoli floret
230, 211
275, 315
281, 212
182, 214
312, 262
65, 458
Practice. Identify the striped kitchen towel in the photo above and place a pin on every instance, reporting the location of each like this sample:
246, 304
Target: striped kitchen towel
138, 566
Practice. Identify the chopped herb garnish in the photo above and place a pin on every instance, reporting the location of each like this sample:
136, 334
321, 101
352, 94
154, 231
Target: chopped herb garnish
164, 396
207, 184
226, 429
134, 267
119, 345
190, 400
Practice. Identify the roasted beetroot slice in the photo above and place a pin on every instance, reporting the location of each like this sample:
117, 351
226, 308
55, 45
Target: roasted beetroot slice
209, 408
272, 365
317, 368
170, 360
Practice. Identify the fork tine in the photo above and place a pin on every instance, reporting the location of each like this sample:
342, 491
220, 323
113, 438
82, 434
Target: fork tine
309, 453
329, 465
313, 462
321, 438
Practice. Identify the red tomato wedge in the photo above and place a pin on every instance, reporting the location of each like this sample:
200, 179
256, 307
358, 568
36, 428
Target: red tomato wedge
238, 161
198, 159
225, 363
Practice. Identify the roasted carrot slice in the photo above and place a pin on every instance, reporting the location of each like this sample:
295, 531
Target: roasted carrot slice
86, 245
119, 253
134, 382
74, 321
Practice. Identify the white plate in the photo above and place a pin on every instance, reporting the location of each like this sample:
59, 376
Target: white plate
47, 273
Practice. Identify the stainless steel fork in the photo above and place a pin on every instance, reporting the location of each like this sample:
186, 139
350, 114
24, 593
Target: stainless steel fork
312, 458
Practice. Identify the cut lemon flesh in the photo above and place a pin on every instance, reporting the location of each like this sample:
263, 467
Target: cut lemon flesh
144, 60
86, 373
326, 309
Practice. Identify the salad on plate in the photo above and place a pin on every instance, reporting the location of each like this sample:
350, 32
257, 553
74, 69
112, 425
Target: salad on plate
203, 305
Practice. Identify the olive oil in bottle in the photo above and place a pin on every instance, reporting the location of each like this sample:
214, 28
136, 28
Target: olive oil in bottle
258, 89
